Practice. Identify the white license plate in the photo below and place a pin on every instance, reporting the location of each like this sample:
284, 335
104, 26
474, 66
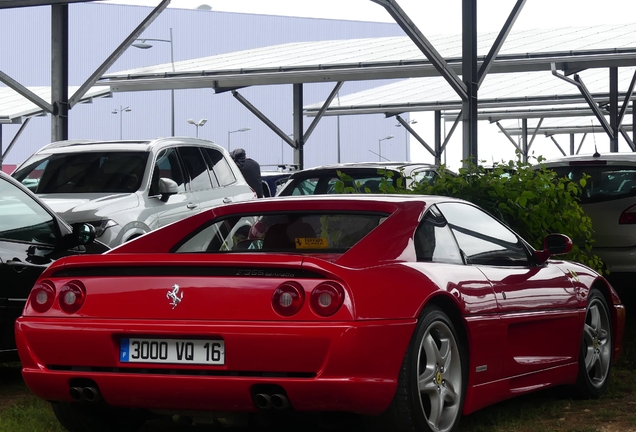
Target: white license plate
182, 351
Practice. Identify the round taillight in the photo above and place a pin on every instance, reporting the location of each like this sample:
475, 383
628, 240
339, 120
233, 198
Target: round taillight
42, 296
288, 298
327, 298
628, 217
71, 296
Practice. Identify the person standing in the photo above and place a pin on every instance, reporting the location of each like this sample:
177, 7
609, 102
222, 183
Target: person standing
250, 169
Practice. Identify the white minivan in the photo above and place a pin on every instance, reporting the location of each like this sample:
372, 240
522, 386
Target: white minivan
128, 188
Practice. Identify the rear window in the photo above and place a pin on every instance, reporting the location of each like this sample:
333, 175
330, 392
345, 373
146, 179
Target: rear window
90, 172
606, 182
274, 232
362, 182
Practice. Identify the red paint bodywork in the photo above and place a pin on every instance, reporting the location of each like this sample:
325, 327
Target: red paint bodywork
523, 326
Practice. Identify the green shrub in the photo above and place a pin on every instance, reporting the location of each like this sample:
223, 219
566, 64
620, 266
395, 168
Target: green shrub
532, 202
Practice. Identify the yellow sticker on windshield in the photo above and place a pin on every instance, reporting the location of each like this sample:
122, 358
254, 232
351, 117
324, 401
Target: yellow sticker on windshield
311, 243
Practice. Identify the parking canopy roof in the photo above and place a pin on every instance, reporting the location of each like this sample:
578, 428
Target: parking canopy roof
570, 48
521, 89
14, 107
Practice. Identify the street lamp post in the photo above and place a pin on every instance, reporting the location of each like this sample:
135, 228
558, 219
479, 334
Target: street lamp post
143, 45
197, 124
406, 138
120, 111
380, 146
234, 131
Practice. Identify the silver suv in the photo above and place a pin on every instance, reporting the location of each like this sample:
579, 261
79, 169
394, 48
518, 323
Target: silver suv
609, 198
128, 188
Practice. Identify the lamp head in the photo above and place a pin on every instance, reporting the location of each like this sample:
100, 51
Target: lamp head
192, 122
244, 129
142, 44
202, 122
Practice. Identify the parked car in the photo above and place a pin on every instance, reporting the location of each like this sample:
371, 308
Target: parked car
32, 236
128, 188
322, 180
274, 180
609, 198
415, 308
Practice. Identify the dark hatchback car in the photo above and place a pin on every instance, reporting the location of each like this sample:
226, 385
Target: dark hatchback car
322, 180
32, 236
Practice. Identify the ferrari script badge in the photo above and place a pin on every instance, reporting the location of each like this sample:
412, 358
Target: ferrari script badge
175, 296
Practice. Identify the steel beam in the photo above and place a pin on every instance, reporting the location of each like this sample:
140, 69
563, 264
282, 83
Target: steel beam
97, 74
507, 134
451, 131
559, 147
411, 30
613, 108
581, 143
534, 133
469, 76
408, 127
26, 93
571, 143
630, 143
59, 72
262, 117
324, 107
15, 138
628, 96
501, 38
299, 150
438, 137
524, 140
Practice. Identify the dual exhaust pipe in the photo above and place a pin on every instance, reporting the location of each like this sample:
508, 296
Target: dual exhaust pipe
85, 394
266, 401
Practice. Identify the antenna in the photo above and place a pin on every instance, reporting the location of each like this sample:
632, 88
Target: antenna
596, 153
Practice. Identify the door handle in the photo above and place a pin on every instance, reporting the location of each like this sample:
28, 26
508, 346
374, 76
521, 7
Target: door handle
19, 266
192, 206
227, 200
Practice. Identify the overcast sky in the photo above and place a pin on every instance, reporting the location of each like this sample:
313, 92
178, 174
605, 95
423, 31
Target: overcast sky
432, 15
444, 17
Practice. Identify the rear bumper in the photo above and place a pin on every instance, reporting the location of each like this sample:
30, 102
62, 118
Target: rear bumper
349, 366
618, 260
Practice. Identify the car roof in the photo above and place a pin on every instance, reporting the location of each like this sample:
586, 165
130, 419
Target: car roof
74, 146
366, 165
597, 158
344, 198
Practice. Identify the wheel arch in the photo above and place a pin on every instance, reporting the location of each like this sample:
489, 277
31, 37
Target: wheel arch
617, 314
454, 313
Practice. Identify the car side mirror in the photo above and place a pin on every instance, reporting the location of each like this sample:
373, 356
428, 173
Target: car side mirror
554, 244
82, 234
167, 187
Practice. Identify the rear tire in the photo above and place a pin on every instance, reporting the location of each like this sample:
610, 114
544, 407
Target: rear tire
432, 381
79, 417
595, 356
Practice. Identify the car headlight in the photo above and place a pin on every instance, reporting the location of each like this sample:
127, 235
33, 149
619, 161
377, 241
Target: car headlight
102, 225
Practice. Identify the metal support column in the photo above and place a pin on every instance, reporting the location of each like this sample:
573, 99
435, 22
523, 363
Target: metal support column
613, 108
634, 121
438, 137
524, 140
298, 126
1, 158
469, 76
571, 144
59, 72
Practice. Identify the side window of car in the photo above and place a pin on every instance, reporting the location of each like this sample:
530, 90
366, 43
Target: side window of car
220, 167
196, 167
305, 187
434, 241
426, 177
23, 219
483, 239
167, 166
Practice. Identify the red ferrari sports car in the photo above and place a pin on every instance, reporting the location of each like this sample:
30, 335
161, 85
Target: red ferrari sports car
413, 309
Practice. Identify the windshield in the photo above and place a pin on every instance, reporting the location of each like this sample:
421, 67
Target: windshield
362, 181
606, 182
293, 232
88, 172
